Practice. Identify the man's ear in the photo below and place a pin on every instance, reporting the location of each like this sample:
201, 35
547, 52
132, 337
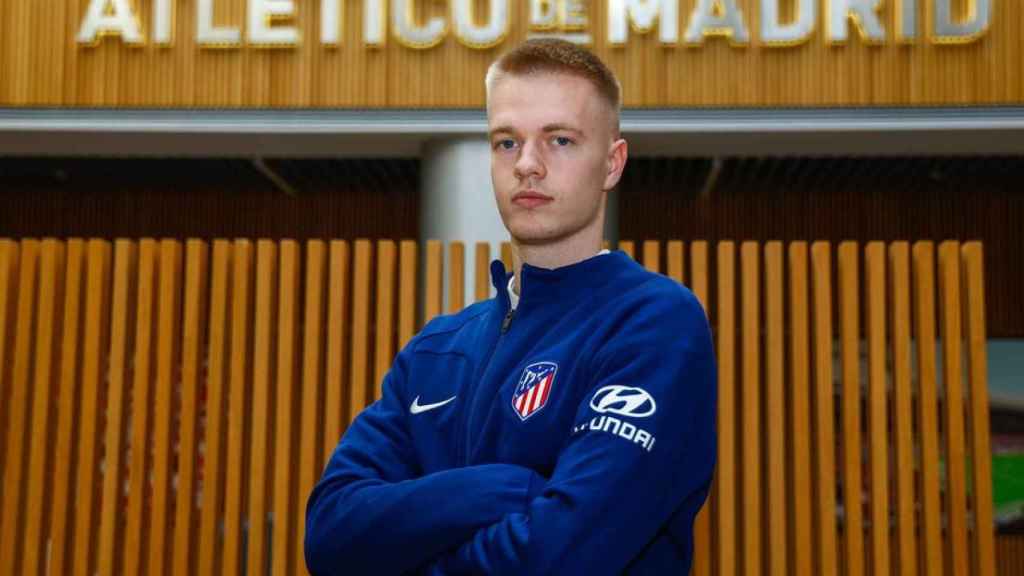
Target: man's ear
616, 163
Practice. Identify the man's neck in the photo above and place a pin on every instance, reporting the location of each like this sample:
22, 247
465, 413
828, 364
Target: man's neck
552, 256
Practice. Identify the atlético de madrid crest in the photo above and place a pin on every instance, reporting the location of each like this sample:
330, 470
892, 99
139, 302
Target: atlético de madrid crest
534, 388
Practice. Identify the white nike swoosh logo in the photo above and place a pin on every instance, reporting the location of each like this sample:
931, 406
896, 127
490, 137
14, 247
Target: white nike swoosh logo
416, 407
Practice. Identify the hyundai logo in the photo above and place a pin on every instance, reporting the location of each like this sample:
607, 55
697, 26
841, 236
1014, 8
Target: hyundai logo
624, 401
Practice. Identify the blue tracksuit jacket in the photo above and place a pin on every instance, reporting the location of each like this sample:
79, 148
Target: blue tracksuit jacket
572, 435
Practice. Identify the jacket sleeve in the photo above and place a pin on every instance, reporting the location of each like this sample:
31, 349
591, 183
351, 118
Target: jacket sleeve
374, 512
633, 463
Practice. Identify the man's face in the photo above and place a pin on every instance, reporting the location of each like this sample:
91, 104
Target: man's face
553, 155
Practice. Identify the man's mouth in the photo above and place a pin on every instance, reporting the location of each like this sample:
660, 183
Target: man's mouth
530, 199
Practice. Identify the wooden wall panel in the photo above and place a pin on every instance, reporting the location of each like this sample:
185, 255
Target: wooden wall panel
39, 474
978, 431
17, 409
98, 381
137, 528
336, 401
44, 66
906, 546
956, 552
824, 437
239, 400
272, 362
287, 403
877, 405
751, 430
725, 473
702, 528
164, 404
800, 407
61, 506
218, 358
193, 403
360, 371
122, 312
262, 412
775, 412
384, 348
849, 345
928, 407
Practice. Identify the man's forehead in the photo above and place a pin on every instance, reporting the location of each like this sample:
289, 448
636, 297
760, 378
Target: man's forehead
549, 99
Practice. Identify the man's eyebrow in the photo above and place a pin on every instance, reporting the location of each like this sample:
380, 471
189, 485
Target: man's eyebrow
562, 128
501, 130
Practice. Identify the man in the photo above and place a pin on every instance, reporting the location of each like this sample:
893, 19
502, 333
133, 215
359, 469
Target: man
566, 426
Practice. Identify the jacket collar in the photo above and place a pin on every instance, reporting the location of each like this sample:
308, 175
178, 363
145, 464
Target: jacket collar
541, 285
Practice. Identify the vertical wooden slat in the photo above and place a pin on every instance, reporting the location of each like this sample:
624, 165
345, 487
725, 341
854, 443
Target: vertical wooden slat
89, 358
192, 336
309, 422
8, 298
482, 271
65, 458
262, 418
122, 312
384, 349
675, 260
406, 292
628, 247
218, 351
40, 457
699, 272
285, 430
774, 322
432, 304
506, 256
877, 405
702, 548
335, 391
237, 467
927, 408
825, 504
800, 412
906, 548
163, 403
981, 465
750, 400
652, 255
11, 524
953, 414
725, 493
289, 531
360, 328
849, 341
456, 277
136, 530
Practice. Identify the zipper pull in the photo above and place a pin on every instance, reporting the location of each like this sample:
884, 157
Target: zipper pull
508, 320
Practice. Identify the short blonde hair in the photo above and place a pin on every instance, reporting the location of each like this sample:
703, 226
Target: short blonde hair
554, 55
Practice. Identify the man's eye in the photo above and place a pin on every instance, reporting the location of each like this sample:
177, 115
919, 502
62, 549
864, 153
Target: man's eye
506, 144
563, 140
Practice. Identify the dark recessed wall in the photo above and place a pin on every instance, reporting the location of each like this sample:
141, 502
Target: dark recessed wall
840, 199
186, 198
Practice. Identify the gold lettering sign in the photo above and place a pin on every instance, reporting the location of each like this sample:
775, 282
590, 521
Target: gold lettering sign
273, 23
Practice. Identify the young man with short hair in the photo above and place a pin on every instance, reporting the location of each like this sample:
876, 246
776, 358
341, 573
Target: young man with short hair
566, 426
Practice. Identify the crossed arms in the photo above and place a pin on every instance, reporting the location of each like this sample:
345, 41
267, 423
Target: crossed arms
375, 512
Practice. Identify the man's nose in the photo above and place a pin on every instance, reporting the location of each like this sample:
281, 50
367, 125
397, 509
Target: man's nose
529, 163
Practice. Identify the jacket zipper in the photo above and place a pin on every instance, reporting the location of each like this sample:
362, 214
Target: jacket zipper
506, 322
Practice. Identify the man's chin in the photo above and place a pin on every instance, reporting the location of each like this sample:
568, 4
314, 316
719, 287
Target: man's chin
533, 238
